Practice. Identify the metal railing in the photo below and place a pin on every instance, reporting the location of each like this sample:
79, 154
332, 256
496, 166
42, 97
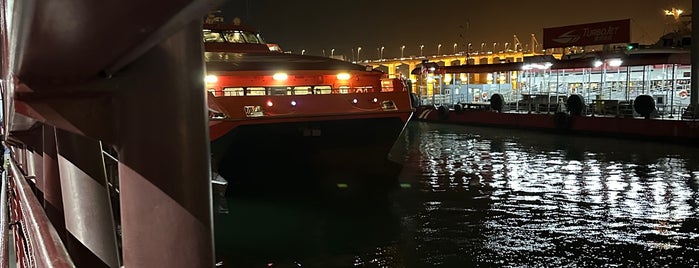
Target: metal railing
41, 245
4, 224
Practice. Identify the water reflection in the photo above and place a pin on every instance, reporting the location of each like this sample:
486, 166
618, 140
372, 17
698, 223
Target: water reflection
549, 199
483, 197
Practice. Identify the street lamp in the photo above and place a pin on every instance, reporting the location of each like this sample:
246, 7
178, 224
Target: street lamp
439, 46
358, 49
495, 47
421, 46
381, 54
454, 48
332, 52
506, 44
401, 51
303, 51
482, 46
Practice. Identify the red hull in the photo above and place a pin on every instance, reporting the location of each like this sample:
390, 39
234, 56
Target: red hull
667, 130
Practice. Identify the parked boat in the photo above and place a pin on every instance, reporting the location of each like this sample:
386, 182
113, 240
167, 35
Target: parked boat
275, 114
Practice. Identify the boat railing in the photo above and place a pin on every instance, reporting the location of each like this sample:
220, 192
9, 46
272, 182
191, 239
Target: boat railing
4, 224
37, 242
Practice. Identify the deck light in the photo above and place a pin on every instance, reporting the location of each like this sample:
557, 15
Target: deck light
211, 79
354, 101
293, 103
343, 76
375, 100
280, 76
615, 62
270, 103
597, 63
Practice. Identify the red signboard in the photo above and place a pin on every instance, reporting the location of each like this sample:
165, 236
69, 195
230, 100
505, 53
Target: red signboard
599, 33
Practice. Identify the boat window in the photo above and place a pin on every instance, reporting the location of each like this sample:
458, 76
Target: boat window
256, 91
251, 38
210, 36
276, 91
322, 90
234, 37
233, 91
344, 90
302, 90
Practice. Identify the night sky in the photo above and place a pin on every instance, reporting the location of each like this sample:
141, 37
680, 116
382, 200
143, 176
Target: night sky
314, 25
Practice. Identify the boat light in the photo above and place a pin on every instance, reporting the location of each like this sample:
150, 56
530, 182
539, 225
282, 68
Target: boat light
293, 103
211, 79
270, 103
354, 101
343, 76
614, 62
375, 100
597, 63
280, 76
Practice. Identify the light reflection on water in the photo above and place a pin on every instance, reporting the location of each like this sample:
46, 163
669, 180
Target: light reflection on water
487, 197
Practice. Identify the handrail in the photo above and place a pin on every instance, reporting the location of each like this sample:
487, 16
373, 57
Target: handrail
45, 244
4, 224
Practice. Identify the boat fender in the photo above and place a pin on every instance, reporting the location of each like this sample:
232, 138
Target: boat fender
497, 102
575, 104
458, 108
644, 105
414, 100
443, 112
562, 121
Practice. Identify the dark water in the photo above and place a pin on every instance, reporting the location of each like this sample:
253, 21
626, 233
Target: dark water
483, 197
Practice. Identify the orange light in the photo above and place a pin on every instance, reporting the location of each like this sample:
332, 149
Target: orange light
343, 76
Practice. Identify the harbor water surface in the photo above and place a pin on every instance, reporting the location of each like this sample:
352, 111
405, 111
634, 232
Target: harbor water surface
472, 196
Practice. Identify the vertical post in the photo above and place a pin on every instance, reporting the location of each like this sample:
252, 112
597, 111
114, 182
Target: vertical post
53, 201
694, 97
90, 228
672, 90
165, 191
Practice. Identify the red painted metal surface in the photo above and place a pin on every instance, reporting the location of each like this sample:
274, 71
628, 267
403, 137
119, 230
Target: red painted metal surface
598, 33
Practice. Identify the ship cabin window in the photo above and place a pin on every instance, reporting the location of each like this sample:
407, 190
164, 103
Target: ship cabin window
212, 37
344, 90
322, 90
234, 37
233, 91
251, 38
302, 90
255, 91
279, 91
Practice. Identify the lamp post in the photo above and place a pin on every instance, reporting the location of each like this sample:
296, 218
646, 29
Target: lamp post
454, 48
332, 52
439, 47
506, 44
381, 54
421, 46
482, 46
495, 47
401, 51
303, 51
358, 50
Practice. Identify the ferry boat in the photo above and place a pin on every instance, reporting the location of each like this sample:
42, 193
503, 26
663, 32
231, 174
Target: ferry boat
281, 115
634, 91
